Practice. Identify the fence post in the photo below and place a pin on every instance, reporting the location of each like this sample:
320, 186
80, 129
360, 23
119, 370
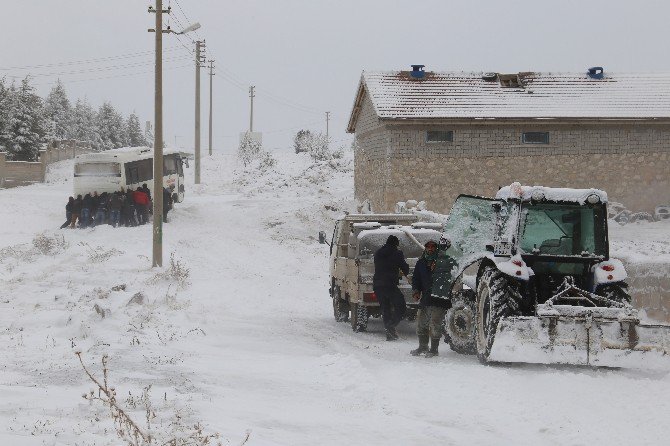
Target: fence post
3, 168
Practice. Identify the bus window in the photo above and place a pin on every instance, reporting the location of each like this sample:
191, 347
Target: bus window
139, 171
97, 170
170, 165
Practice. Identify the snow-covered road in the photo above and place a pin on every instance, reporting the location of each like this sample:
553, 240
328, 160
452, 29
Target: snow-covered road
250, 344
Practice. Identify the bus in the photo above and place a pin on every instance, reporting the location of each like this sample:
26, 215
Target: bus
129, 168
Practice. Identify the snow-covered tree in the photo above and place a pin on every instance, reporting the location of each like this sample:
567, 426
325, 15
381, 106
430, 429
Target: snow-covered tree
250, 148
84, 124
134, 132
110, 127
58, 113
300, 141
26, 126
7, 104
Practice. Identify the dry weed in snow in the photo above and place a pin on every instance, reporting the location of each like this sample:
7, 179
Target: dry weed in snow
175, 272
49, 245
156, 430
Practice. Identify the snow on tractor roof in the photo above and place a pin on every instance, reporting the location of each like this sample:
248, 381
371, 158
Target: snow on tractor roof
526, 193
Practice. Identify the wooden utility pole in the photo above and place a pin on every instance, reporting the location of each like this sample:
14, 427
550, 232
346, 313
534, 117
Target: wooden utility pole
199, 47
211, 75
327, 123
158, 137
252, 95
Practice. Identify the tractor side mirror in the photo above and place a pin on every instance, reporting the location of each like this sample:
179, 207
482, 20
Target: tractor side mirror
322, 238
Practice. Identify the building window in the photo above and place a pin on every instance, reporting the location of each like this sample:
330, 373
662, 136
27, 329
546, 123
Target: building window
535, 137
439, 136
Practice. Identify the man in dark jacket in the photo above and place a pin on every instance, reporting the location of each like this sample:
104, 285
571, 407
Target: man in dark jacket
167, 203
76, 212
389, 264
431, 309
115, 204
68, 213
86, 206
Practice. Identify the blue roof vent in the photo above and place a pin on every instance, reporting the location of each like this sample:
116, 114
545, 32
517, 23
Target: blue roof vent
596, 72
417, 72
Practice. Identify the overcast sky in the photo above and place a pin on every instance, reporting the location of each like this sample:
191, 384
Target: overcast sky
306, 56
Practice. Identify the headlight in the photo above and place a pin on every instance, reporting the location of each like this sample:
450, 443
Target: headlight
593, 199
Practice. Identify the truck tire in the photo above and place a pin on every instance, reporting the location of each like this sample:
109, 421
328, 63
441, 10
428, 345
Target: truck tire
359, 317
618, 292
460, 323
340, 310
497, 297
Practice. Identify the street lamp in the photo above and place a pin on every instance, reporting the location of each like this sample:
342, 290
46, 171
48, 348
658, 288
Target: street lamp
158, 136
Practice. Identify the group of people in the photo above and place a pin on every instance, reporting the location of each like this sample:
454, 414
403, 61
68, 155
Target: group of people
389, 261
120, 208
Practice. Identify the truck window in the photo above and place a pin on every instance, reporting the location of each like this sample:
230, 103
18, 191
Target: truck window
139, 171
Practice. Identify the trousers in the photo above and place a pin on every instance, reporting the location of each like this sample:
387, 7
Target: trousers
392, 305
429, 321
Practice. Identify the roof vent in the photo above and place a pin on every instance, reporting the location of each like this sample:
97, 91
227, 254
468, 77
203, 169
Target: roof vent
490, 77
596, 72
417, 72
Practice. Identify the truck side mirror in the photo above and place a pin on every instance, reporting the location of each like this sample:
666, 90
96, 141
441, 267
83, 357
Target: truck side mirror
322, 238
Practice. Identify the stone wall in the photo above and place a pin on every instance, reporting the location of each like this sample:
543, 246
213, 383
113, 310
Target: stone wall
21, 173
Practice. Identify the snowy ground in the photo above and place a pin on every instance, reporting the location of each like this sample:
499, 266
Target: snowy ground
248, 342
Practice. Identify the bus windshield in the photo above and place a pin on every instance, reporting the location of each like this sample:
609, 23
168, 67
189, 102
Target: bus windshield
97, 170
563, 230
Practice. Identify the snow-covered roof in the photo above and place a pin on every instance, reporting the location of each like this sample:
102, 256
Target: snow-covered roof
516, 190
461, 95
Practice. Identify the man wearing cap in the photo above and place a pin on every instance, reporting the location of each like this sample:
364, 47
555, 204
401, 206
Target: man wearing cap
389, 264
431, 309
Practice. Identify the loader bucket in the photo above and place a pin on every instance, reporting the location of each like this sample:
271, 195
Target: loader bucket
565, 334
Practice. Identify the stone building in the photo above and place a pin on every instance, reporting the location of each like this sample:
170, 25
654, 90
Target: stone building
432, 136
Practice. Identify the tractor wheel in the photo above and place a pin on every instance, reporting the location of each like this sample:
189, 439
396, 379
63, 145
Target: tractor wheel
340, 310
359, 317
459, 323
618, 292
497, 297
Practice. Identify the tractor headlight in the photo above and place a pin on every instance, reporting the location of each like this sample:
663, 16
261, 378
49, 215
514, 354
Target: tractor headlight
593, 199
537, 195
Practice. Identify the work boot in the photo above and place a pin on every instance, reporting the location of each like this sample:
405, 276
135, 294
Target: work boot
389, 335
423, 346
434, 343
394, 333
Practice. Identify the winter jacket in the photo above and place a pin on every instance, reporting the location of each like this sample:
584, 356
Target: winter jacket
102, 203
389, 261
422, 281
76, 206
69, 206
115, 202
167, 199
87, 202
140, 198
147, 191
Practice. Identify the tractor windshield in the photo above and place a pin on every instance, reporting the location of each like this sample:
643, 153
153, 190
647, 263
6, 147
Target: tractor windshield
563, 229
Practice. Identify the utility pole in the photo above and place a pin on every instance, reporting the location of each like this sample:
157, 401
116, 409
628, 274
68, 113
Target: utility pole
211, 75
199, 48
327, 123
252, 95
158, 136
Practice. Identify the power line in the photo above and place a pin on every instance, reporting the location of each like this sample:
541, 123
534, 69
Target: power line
79, 62
139, 73
97, 69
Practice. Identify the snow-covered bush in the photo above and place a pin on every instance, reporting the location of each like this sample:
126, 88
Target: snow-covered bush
249, 149
252, 154
300, 139
314, 144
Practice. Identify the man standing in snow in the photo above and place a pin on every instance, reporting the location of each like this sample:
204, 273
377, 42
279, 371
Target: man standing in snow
389, 263
431, 309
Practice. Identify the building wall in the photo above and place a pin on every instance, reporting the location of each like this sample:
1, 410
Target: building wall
394, 162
